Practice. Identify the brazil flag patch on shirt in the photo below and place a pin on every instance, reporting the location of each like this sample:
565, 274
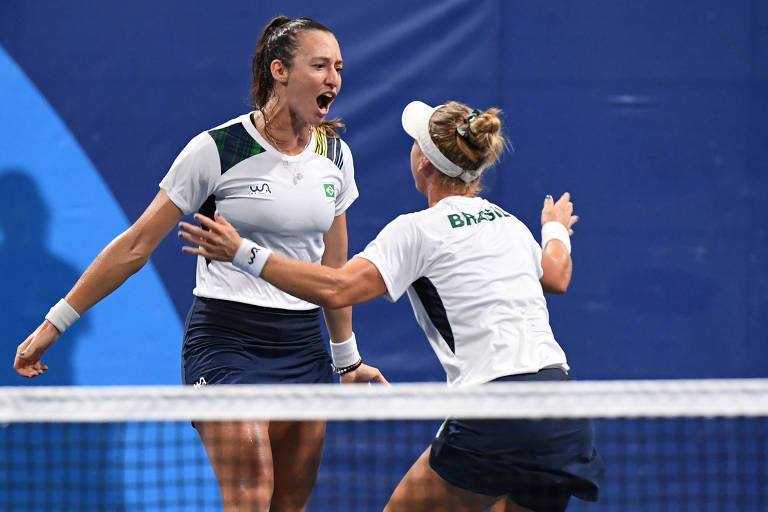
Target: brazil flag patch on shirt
330, 190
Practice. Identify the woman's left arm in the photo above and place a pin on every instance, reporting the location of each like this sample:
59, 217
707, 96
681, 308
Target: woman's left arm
338, 321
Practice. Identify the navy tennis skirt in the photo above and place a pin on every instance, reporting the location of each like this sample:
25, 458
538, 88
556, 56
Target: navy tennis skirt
229, 342
538, 463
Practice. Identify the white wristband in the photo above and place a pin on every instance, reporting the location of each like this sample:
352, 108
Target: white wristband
345, 352
554, 230
62, 315
251, 257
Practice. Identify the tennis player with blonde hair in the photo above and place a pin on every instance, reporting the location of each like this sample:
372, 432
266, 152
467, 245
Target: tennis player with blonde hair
476, 279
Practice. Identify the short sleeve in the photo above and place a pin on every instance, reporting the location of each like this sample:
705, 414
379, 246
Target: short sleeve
192, 176
349, 191
536, 249
398, 255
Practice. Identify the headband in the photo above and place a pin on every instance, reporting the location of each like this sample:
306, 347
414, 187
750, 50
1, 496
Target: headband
415, 119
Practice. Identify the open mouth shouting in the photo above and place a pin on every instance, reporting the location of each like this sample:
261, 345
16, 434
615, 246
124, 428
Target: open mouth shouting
324, 102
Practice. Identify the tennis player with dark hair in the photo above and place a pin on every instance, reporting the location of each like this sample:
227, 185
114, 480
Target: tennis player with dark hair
476, 279
284, 178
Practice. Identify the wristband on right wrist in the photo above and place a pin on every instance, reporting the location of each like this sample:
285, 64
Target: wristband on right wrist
251, 257
554, 230
62, 315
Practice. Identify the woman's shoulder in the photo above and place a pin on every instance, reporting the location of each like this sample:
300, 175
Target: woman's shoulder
412, 221
224, 130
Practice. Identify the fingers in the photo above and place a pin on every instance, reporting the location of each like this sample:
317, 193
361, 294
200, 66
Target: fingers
208, 229
565, 203
195, 251
206, 221
364, 374
192, 234
196, 233
32, 370
210, 233
27, 365
219, 219
573, 220
197, 236
28, 353
377, 376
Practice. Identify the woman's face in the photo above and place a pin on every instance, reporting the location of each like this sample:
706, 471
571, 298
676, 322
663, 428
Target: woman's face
314, 79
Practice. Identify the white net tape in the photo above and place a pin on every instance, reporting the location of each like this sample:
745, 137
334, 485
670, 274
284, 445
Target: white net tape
605, 399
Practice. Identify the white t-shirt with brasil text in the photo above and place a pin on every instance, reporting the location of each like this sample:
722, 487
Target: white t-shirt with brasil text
472, 274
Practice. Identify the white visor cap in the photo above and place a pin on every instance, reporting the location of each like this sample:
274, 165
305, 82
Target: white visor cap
416, 116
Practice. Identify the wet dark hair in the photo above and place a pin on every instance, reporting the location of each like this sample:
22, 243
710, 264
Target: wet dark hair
279, 41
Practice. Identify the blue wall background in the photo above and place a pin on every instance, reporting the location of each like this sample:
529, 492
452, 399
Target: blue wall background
652, 114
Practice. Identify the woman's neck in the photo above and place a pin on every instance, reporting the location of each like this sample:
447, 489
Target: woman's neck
281, 129
435, 194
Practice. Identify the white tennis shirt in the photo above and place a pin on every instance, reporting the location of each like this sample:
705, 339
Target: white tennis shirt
286, 203
472, 274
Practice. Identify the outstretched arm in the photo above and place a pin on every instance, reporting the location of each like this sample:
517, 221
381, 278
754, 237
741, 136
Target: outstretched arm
556, 257
356, 282
335, 289
119, 260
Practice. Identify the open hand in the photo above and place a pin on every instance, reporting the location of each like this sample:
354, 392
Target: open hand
560, 211
214, 239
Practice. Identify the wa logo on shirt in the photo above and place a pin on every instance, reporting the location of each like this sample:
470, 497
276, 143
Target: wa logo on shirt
330, 190
260, 189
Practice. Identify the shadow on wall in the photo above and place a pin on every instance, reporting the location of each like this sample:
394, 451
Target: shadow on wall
34, 280
69, 460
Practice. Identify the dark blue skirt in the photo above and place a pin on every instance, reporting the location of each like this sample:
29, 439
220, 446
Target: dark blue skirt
229, 342
538, 463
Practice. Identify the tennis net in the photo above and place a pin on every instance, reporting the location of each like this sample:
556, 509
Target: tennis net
674, 445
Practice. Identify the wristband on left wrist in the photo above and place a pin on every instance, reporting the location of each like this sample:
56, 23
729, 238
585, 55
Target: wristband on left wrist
554, 230
344, 353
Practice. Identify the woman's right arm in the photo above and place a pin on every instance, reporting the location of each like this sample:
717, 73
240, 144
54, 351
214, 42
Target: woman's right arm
118, 261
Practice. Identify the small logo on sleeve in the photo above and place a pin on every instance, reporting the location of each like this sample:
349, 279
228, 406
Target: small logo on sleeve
330, 190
